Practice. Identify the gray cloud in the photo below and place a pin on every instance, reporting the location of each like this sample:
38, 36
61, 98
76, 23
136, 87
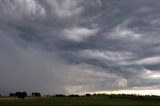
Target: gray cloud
75, 46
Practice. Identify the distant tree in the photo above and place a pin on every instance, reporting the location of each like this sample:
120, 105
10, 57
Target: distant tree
12, 94
74, 95
59, 95
141, 97
111, 96
88, 95
21, 95
37, 94
17, 93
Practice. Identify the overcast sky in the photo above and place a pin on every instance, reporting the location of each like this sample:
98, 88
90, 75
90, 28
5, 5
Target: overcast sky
75, 46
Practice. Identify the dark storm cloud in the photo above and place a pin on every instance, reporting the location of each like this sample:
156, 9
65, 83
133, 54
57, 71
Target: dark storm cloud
73, 46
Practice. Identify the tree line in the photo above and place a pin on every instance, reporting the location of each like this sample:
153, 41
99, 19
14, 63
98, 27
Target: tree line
23, 95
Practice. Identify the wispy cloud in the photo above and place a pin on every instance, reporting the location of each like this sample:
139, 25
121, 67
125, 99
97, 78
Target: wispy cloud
149, 60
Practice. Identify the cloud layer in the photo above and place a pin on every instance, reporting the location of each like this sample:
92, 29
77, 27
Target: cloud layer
76, 46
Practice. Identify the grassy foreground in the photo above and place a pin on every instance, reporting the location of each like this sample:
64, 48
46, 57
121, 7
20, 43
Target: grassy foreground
79, 101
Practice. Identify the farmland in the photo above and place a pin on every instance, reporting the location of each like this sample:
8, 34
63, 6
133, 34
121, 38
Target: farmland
77, 101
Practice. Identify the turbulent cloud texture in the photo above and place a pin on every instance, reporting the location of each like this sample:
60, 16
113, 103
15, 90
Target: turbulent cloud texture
78, 46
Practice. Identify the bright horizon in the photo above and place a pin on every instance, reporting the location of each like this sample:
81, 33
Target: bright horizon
135, 92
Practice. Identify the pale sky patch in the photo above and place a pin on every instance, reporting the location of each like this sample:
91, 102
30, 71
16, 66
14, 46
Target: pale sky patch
79, 34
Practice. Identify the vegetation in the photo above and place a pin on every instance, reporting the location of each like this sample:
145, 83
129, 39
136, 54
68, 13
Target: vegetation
37, 94
21, 95
79, 101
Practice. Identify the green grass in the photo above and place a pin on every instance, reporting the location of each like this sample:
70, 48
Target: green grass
78, 101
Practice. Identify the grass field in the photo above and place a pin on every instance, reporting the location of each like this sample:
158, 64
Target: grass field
78, 101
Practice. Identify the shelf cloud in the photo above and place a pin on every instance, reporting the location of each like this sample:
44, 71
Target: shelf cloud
78, 46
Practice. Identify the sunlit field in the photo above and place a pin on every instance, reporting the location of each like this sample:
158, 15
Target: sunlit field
78, 101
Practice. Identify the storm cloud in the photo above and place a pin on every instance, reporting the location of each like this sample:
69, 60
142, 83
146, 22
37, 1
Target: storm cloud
78, 46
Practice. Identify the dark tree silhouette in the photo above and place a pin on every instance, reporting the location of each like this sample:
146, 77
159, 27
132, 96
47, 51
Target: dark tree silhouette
141, 97
111, 96
88, 95
36, 94
74, 95
21, 95
12, 94
59, 95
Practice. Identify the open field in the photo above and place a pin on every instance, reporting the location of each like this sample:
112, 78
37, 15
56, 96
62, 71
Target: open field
78, 101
